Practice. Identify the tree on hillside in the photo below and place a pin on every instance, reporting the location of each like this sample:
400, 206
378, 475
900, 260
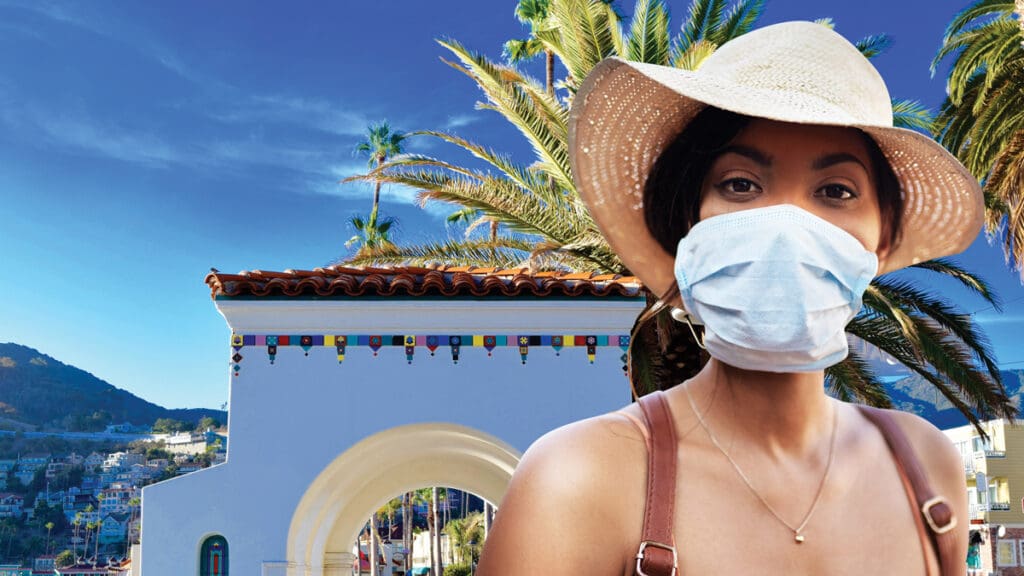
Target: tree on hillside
49, 529
982, 118
551, 228
207, 422
64, 559
170, 426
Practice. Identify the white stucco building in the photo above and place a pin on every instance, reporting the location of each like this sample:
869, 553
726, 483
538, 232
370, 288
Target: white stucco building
351, 386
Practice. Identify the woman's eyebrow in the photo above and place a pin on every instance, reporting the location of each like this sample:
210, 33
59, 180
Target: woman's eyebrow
748, 152
833, 159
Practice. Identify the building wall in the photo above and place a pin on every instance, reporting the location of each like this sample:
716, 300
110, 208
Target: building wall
289, 420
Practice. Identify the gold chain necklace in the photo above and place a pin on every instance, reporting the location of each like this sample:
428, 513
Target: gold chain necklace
797, 531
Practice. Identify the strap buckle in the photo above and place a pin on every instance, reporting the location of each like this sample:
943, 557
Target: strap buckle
926, 511
650, 543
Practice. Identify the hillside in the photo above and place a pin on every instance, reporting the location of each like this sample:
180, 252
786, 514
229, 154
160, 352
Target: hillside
917, 395
39, 390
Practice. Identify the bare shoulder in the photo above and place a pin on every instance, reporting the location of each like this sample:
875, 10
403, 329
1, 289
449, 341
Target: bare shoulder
935, 450
942, 463
567, 507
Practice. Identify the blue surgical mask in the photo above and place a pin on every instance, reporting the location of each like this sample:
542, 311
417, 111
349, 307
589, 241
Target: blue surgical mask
774, 287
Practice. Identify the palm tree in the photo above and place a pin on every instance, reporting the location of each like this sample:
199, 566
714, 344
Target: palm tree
77, 522
98, 525
49, 528
553, 230
982, 119
380, 144
464, 535
372, 234
429, 497
407, 524
533, 13
89, 527
133, 505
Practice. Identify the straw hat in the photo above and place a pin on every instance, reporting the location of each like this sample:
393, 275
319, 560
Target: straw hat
626, 113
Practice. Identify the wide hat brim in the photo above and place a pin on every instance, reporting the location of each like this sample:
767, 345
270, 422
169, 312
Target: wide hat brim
626, 113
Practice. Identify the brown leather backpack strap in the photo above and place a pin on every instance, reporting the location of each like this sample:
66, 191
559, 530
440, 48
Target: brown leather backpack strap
935, 511
657, 553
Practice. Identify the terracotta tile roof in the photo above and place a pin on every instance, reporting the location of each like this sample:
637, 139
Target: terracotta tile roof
447, 281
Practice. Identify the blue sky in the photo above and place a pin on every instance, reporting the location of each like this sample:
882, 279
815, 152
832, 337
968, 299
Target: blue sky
143, 143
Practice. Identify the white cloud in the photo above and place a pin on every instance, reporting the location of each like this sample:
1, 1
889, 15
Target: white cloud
312, 113
461, 120
106, 140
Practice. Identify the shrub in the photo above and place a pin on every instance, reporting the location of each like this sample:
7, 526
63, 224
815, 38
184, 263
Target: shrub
457, 570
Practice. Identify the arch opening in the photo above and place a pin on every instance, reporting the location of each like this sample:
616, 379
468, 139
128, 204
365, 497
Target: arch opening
338, 503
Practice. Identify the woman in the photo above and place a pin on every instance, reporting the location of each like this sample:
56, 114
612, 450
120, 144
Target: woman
974, 567
758, 196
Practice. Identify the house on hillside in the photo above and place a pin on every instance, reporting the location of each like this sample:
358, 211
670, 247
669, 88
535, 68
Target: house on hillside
82, 570
116, 499
44, 563
403, 378
11, 505
14, 570
7, 464
119, 461
93, 460
34, 461
114, 528
55, 468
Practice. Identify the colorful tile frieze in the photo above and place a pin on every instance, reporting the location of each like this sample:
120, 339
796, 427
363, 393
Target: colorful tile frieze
410, 342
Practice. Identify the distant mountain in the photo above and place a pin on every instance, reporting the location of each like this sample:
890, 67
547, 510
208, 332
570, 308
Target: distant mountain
40, 390
917, 395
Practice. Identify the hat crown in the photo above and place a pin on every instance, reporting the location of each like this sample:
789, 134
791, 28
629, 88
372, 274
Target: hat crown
812, 73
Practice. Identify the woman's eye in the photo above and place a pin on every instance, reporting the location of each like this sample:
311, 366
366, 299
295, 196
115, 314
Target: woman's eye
738, 186
837, 192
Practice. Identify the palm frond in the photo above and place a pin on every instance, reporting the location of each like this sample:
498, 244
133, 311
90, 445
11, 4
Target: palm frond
853, 381
648, 39
588, 32
873, 45
693, 55
522, 50
524, 103
955, 322
911, 114
535, 181
503, 253
740, 20
703, 18
969, 280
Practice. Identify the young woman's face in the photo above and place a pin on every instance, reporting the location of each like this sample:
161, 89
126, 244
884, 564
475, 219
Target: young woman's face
824, 170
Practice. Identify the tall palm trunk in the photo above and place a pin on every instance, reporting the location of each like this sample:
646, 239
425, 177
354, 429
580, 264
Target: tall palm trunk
436, 532
376, 188
407, 529
430, 539
371, 549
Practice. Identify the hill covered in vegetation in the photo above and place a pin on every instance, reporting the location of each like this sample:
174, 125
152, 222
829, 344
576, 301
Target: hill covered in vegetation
41, 391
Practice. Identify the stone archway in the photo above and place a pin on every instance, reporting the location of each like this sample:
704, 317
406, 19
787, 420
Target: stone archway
337, 503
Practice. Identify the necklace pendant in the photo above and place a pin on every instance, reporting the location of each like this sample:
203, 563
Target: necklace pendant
799, 538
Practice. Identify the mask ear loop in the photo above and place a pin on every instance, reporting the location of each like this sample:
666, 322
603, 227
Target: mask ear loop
644, 318
698, 339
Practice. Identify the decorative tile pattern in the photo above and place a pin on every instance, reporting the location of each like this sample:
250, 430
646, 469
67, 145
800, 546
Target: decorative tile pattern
410, 342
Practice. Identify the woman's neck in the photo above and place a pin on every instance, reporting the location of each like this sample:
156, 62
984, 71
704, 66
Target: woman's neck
787, 415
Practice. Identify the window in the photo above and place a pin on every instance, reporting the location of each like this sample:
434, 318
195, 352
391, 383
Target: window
213, 558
